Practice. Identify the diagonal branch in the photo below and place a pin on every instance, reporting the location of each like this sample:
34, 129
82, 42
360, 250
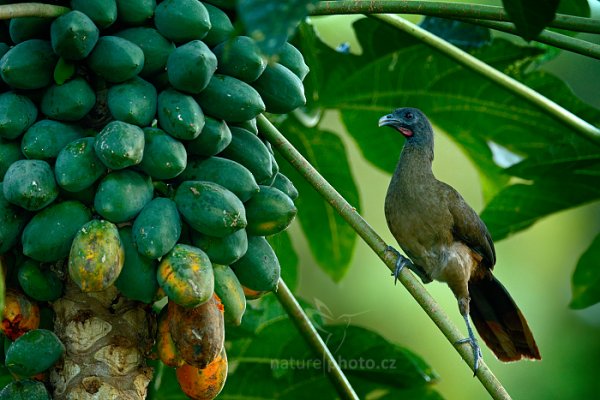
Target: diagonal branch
364, 230
445, 10
296, 314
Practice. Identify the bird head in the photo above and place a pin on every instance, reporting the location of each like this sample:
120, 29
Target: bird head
410, 122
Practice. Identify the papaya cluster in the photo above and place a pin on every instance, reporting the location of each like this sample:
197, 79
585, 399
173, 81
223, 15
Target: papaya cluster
130, 156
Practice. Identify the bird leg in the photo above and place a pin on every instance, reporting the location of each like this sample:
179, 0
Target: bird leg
402, 262
471, 339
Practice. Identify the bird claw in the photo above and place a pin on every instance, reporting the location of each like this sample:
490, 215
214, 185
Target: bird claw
476, 351
400, 263
474, 345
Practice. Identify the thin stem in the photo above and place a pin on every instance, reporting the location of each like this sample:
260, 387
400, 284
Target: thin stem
582, 127
296, 314
371, 238
447, 10
9, 11
551, 38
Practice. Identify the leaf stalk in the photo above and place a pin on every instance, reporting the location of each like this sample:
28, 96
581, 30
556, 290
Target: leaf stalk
306, 328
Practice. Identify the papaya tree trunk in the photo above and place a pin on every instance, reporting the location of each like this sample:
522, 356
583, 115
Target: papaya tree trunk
107, 338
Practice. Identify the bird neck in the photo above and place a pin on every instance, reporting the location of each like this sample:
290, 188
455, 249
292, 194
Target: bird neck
415, 161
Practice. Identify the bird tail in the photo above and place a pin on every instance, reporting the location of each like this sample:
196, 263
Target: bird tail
500, 322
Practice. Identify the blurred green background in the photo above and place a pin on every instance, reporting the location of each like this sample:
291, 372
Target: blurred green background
535, 265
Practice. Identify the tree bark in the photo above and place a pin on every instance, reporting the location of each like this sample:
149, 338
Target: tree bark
107, 338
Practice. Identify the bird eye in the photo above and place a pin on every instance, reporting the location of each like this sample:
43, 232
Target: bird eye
408, 115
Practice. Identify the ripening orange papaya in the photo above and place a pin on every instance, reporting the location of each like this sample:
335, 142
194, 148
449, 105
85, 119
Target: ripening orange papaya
203, 383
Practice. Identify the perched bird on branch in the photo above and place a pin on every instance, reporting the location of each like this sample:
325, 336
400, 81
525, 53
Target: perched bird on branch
448, 242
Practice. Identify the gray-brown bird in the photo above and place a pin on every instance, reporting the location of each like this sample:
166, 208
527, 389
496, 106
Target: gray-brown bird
447, 241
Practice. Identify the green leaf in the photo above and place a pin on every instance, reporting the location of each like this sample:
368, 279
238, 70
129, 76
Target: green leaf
63, 71
518, 206
277, 363
585, 283
270, 22
329, 236
530, 16
557, 160
288, 259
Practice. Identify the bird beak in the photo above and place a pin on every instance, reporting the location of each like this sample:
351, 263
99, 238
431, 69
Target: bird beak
387, 120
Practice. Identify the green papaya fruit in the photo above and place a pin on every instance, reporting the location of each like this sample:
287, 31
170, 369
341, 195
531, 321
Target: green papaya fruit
157, 228
186, 276
122, 194
46, 138
10, 152
12, 221
210, 208
17, 113
30, 184
247, 149
291, 58
120, 145
24, 28
28, 65
179, 115
70, 101
240, 57
77, 166
156, 48
97, 256
34, 352
191, 66
221, 26
164, 156
231, 294
213, 138
49, 234
259, 268
280, 89
135, 12
116, 59
25, 389
137, 280
230, 99
73, 35
102, 12
182, 20
284, 184
269, 211
227, 173
41, 284
224, 250
133, 101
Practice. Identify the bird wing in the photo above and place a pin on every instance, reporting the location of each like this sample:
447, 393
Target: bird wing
469, 228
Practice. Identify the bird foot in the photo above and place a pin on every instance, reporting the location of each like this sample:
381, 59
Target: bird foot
474, 346
401, 262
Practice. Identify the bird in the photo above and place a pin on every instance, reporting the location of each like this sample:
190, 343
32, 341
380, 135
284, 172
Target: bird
447, 241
